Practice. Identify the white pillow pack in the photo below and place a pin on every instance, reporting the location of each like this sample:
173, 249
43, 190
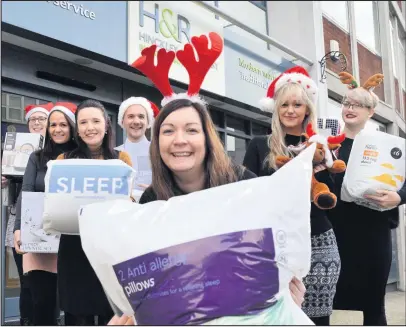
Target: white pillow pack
210, 257
71, 183
377, 161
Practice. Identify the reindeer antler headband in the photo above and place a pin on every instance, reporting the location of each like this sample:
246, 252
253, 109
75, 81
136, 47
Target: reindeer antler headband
197, 69
369, 85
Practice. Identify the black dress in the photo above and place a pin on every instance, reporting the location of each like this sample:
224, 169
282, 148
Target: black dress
325, 265
365, 246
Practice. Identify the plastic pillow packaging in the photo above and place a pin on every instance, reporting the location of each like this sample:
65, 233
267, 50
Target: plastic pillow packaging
71, 183
221, 256
377, 161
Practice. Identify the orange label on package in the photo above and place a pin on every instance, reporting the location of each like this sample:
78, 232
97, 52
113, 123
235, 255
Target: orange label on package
371, 153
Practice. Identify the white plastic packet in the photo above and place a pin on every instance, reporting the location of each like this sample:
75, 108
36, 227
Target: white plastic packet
377, 161
72, 183
219, 256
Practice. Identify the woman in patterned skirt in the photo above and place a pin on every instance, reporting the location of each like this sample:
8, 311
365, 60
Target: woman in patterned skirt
292, 96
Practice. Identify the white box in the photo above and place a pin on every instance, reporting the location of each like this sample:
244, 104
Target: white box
33, 237
17, 150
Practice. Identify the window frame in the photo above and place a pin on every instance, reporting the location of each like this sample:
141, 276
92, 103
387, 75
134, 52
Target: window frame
377, 31
22, 108
335, 21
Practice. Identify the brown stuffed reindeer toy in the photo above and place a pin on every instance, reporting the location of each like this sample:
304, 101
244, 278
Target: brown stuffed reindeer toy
321, 195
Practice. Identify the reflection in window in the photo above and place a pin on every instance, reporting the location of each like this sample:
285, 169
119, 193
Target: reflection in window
259, 129
402, 58
366, 23
392, 47
237, 124
217, 117
236, 149
337, 11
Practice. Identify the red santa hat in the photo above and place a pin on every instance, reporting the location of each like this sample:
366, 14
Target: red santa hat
150, 107
197, 69
297, 75
67, 108
33, 108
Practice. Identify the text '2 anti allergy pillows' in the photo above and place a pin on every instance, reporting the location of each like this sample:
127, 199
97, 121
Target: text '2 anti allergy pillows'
209, 257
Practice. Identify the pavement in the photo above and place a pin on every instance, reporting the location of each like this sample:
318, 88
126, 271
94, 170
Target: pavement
395, 312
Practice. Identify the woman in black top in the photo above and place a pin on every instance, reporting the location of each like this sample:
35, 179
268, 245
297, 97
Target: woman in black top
294, 109
363, 235
40, 268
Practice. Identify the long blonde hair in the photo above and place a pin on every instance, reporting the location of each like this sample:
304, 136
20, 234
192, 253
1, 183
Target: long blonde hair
276, 140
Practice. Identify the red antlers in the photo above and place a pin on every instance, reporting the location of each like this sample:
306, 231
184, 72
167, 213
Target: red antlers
330, 140
336, 139
157, 74
197, 69
309, 130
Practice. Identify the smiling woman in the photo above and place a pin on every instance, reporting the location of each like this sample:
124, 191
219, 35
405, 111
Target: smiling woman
190, 155
81, 295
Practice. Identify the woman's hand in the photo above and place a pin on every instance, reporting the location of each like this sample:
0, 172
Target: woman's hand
17, 241
121, 321
4, 182
297, 290
385, 198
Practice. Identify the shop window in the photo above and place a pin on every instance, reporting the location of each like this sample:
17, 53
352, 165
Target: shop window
238, 124
236, 148
367, 24
12, 107
259, 129
217, 117
337, 12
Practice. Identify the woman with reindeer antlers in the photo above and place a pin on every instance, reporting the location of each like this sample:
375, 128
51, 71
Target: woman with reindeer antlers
187, 151
363, 235
292, 96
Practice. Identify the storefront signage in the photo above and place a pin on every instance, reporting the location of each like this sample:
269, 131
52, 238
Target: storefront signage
250, 68
98, 26
75, 8
170, 25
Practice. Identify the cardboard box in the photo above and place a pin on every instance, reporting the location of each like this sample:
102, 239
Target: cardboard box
17, 150
33, 237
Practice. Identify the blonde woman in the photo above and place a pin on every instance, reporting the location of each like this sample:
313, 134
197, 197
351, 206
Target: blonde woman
363, 235
292, 96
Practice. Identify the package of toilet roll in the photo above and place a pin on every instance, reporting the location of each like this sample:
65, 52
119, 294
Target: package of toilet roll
221, 256
72, 183
376, 162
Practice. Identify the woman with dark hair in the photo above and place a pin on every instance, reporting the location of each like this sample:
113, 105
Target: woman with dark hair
81, 295
189, 155
40, 268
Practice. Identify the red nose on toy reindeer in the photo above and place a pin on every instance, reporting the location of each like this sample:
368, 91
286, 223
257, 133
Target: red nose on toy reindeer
321, 195
197, 69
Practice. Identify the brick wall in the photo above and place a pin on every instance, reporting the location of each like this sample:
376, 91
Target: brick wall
332, 32
370, 64
397, 95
